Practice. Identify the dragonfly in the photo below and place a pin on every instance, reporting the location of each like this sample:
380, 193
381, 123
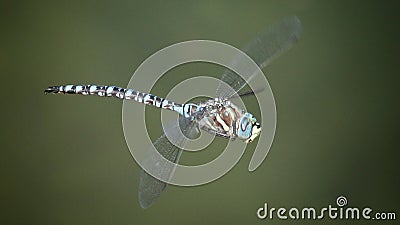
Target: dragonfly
217, 116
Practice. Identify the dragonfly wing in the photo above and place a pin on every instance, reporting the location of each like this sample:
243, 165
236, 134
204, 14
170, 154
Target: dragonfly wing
263, 49
150, 188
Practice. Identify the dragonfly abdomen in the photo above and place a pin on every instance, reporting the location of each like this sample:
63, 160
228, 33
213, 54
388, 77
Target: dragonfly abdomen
121, 93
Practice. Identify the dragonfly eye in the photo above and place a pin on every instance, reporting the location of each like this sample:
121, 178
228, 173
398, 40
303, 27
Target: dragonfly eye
244, 128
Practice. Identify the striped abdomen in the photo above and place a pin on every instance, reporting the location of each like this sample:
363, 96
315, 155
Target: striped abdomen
122, 93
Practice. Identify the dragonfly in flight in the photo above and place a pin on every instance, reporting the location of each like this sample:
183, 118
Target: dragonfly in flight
218, 116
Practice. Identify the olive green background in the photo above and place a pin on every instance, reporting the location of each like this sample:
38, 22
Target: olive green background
64, 159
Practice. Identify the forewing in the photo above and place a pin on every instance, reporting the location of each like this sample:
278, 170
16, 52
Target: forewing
263, 49
150, 188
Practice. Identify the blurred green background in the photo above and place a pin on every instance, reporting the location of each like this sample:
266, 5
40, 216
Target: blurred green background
64, 158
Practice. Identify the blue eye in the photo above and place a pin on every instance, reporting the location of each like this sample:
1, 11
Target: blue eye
244, 131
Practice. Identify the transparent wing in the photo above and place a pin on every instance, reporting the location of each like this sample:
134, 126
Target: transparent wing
263, 49
150, 188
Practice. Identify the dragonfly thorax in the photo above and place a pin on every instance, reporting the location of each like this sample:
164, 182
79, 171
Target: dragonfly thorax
223, 118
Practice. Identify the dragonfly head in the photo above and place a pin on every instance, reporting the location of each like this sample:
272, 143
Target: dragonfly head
248, 128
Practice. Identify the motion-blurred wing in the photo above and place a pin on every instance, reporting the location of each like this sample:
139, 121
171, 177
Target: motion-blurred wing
150, 188
263, 49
